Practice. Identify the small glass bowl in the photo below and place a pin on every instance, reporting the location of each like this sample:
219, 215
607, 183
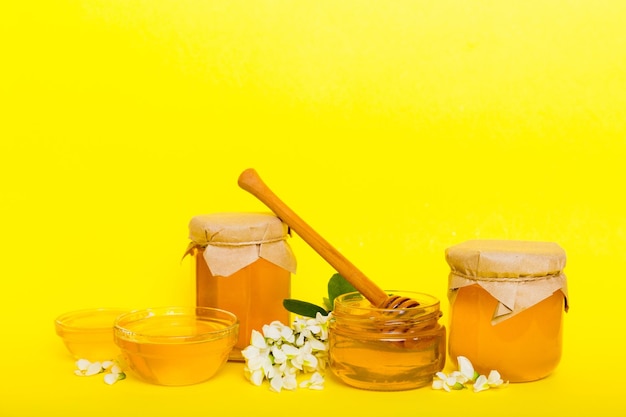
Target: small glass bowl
176, 345
88, 334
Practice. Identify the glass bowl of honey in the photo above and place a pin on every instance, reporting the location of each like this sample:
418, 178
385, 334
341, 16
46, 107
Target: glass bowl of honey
176, 346
88, 334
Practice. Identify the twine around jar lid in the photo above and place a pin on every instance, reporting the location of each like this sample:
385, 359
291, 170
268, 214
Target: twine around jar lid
232, 241
518, 274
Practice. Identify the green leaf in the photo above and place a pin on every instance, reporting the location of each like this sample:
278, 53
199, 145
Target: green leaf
303, 308
337, 285
327, 304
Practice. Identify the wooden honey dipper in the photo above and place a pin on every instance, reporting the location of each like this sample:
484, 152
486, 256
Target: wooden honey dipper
250, 181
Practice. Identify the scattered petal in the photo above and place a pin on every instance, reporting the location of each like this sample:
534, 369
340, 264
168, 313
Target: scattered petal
82, 364
457, 380
494, 378
315, 382
466, 368
438, 384
93, 369
481, 384
111, 369
111, 378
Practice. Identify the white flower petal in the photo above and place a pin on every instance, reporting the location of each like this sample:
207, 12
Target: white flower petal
271, 332
494, 379
82, 364
481, 384
310, 362
286, 333
315, 382
279, 355
317, 344
466, 368
437, 384
271, 371
257, 362
276, 384
256, 377
290, 382
290, 350
111, 378
257, 340
441, 375
451, 380
321, 319
93, 369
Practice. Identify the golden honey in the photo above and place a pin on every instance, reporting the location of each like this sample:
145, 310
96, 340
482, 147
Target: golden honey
174, 345
243, 264
246, 293
88, 334
507, 301
386, 349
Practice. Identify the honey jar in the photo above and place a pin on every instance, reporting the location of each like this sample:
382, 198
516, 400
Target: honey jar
507, 302
386, 349
243, 264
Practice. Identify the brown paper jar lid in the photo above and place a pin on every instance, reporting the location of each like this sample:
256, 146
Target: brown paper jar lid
519, 274
232, 241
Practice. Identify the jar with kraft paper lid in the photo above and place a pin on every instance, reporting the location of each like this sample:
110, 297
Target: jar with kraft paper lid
507, 302
243, 264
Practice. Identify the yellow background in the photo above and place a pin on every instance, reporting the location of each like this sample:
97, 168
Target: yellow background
396, 128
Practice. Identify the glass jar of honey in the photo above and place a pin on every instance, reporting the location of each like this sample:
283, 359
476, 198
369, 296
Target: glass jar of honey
507, 300
243, 264
386, 349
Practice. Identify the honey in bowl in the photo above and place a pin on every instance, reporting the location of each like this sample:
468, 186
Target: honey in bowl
176, 345
88, 334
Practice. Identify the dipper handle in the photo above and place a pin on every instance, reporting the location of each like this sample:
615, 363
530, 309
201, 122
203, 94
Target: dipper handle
250, 181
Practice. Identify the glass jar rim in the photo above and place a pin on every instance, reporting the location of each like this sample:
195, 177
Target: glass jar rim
425, 301
353, 311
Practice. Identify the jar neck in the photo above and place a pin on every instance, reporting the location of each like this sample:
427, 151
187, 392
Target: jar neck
402, 322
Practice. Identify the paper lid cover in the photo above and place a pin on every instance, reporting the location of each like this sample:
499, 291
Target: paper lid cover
518, 274
232, 241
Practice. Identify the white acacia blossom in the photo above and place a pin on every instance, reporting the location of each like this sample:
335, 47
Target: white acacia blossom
458, 380
111, 370
485, 382
282, 353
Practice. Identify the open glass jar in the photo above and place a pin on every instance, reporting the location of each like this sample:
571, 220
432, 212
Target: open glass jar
507, 300
386, 349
